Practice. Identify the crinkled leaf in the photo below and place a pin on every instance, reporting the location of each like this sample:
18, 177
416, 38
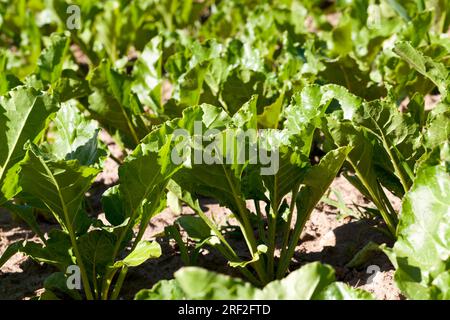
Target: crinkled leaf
425, 65
147, 74
312, 281
198, 283
23, 115
163, 290
303, 284
422, 251
342, 291
144, 250
60, 184
74, 137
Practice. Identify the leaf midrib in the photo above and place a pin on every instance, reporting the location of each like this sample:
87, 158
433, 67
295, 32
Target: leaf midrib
60, 196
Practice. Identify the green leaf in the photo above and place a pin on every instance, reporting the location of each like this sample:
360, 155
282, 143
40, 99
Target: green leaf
397, 137
200, 284
401, 11
7, 80
72, 85
11, 250
318, 178
341, 38
288, 176
56, 283
151, 163
363, 255
60, 184
196, 178
195, 227
361, 158
316, 181
307, 108
422, 251
346, 72
27, 214
437, 127
238, 88
51, 60
190, 86
74, 137
313, 281
425, 65
96, 249
303, 284
144, 250
147, 74
417, 29
163, 290
272, 113
114, 105
55, 252
342, 291
23, 115
113, 205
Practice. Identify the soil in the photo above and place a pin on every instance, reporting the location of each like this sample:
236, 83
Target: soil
330, 236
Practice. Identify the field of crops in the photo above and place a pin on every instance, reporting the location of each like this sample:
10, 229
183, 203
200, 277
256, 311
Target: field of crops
201, 149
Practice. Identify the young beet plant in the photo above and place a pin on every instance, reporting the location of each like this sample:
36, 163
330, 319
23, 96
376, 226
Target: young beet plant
388, 145
231, 162
55, 177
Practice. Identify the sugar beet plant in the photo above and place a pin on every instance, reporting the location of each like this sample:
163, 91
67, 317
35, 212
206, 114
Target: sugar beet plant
57, 182
234, 178
256, 105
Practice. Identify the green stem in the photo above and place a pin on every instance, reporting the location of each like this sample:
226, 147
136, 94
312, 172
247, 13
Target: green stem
299, 225
250, 277
261, 231
146, 218
84, 278
107, 283
226, 249
393, 160
175, 234
272, 225
110, 274
272, 229
90, 54
119, 283
138, 238
398, 172
389, 207
94, 281
73, 240
287, 229
219, 235
247, 230
388, 218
